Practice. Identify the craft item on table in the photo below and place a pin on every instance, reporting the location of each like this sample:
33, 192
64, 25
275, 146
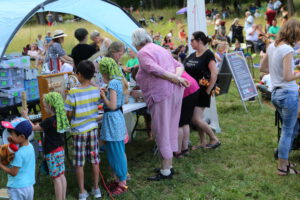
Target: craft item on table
24, 101
7, 152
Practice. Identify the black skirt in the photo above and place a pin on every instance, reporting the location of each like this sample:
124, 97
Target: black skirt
203, 98
187, 108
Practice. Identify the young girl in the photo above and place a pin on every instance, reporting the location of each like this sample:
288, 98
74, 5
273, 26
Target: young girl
53, 127
113, 128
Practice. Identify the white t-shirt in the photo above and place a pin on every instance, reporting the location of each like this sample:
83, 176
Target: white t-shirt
267, 81
275, 58
249, 22
257, 15
253, 37
66, 67
277, 5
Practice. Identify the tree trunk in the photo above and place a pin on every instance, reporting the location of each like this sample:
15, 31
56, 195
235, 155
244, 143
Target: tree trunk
152, 4
224, 3
176, 3
291, 7
258, 3
41, 19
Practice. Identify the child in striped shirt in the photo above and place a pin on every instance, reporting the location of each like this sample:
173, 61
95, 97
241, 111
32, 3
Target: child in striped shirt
82, 109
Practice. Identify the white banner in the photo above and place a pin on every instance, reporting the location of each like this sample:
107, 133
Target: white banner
197, 22
196, 18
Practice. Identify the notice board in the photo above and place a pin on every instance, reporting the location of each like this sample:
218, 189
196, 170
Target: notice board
241, 74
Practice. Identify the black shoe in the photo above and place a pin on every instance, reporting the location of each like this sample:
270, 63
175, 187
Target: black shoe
159, 177
157, 170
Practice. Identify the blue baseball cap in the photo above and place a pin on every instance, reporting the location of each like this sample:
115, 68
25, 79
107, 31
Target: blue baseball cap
20, 124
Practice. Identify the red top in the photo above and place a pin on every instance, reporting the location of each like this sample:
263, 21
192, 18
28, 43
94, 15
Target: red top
271, 14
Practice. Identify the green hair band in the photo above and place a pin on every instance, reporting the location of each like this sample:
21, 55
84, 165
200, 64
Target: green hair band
110, 67
56, 101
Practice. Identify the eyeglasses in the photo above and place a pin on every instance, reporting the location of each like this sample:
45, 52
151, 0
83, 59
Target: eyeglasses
192, 40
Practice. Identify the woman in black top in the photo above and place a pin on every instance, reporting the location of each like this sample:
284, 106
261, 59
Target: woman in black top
237, 31
201, 65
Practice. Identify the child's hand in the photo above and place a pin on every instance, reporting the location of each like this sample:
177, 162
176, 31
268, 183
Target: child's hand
24, 113
102, 93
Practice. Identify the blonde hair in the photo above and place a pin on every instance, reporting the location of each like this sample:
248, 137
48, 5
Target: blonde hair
235, 20
289, 32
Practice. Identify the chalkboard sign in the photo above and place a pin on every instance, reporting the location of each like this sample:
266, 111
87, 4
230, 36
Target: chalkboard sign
224, 77
241, 74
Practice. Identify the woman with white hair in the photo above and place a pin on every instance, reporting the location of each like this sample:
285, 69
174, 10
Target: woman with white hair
159, 78
249, 20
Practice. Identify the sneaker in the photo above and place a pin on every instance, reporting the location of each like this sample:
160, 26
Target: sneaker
83, 196
96, 193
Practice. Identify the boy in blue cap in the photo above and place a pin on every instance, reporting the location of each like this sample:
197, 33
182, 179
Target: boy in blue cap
21, 172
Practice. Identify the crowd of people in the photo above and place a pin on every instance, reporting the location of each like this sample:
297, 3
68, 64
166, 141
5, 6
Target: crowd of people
182, 91
169, 123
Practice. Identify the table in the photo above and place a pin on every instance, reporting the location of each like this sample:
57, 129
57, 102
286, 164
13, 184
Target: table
130, 107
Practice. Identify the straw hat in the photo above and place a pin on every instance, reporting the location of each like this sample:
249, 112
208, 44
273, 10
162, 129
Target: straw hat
59, 34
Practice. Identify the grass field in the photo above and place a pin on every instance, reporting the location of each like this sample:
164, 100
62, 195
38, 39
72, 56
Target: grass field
243, 168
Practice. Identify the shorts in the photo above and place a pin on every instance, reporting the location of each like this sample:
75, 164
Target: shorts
25, 193
203, 99
56, 162
187, 108
86, 145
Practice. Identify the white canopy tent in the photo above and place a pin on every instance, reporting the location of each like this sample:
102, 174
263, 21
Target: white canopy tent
103, 13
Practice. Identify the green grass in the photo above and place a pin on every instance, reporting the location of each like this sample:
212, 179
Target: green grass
242, 168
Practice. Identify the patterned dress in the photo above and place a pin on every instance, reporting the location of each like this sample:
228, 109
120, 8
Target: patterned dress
113, 124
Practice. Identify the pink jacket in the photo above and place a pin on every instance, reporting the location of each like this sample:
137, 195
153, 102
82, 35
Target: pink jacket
154, 62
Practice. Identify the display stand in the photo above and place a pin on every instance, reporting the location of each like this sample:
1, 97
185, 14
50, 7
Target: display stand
52, 83
236, 64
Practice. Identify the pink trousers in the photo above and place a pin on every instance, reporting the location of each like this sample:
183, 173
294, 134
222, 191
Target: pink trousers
165, 122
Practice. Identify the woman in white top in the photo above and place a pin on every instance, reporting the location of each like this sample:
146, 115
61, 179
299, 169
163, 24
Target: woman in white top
279, 63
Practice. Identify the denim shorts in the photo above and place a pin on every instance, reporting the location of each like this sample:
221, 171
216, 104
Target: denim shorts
25, 193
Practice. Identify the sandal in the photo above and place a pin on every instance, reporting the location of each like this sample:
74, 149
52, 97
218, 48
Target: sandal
292, 165
119, 190
213, 146
289, 170
177, 155
282, 172
185, 152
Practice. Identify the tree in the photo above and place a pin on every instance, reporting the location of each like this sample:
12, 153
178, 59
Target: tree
291, 7
258, 3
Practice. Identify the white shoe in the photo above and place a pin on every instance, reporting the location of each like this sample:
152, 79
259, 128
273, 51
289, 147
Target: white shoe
83, 196
96, 193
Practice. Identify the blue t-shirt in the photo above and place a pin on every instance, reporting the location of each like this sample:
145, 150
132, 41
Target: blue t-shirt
25, 161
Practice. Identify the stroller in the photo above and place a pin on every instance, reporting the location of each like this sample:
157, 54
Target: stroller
278, 123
